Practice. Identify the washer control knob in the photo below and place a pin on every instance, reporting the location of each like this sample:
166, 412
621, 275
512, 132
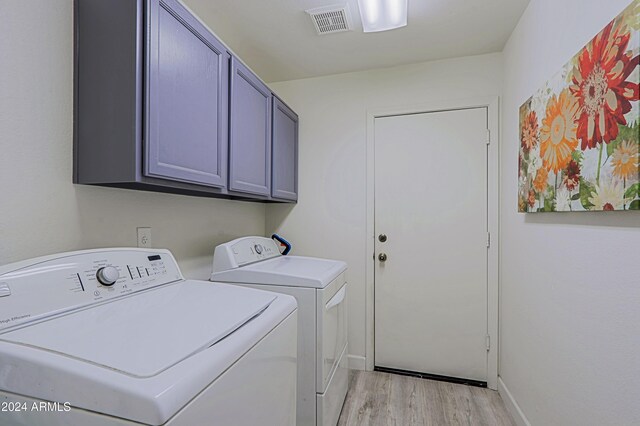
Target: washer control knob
258, 248
107, 275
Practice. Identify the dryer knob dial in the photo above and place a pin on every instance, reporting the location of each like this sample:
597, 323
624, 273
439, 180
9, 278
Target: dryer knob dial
258, 248
107, 275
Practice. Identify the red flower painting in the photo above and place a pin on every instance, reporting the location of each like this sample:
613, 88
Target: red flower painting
571, 176
601, 87
529, 135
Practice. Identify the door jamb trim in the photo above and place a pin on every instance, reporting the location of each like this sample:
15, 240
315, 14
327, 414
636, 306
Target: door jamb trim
492, 103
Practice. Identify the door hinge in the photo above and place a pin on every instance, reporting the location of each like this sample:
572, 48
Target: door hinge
488, 239
488, 342
488, 136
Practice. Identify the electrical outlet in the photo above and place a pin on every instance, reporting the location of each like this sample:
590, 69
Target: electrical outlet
144, 237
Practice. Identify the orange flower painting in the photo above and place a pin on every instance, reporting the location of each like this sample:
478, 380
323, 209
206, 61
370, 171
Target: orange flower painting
580, 132
558, 134
540, 182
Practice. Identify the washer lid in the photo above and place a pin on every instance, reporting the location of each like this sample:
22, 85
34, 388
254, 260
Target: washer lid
295, 271
146, 333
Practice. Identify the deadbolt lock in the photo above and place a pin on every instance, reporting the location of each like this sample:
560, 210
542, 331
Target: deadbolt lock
382, 257
382, 238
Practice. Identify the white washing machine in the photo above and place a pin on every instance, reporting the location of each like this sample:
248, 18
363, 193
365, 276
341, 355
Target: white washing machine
319, 285
119, 337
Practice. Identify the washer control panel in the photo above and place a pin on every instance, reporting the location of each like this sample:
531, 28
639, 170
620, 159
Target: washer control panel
53, 284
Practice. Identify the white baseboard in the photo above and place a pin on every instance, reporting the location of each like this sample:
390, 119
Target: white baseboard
512, 406
357, 362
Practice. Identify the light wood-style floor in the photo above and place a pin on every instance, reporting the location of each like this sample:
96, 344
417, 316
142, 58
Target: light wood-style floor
382, 399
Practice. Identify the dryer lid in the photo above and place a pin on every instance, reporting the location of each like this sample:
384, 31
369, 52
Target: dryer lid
147, 333
295, 271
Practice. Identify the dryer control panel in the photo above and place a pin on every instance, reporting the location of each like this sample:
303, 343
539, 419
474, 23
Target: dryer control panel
243, 251
45, 286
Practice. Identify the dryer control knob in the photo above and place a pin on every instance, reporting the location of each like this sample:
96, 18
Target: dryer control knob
107, 275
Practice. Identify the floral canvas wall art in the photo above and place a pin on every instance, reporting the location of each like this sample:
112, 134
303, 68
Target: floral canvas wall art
579, 133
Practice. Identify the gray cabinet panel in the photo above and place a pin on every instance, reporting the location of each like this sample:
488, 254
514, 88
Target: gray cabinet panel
187, 74
284, 183
250, 133
107, 104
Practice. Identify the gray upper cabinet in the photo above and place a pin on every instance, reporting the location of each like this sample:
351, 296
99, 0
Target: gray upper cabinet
151, 98
186, 91
161, 105
284, 183
250, 133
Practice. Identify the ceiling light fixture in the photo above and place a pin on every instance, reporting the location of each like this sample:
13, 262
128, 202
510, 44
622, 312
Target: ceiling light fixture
382, 15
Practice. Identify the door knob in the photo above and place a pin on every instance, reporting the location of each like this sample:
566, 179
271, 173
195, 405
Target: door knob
382, 257
382, 238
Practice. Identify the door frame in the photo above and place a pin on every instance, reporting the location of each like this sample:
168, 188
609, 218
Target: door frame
492, 103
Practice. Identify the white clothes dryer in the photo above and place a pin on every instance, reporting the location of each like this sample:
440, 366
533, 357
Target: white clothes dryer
319, 285
119, 337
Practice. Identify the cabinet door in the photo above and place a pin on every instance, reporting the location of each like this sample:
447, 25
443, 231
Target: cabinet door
250, 137
187, 98
284, 183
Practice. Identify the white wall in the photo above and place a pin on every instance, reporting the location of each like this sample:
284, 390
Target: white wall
570, 301
41, 211
330, 217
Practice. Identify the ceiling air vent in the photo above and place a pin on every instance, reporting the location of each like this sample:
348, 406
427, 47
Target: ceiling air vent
331, 19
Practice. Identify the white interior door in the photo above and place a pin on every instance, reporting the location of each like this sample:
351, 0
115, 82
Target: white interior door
431, 203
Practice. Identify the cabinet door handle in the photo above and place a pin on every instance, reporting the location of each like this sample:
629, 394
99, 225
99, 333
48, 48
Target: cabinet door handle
337, 298
382, 257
